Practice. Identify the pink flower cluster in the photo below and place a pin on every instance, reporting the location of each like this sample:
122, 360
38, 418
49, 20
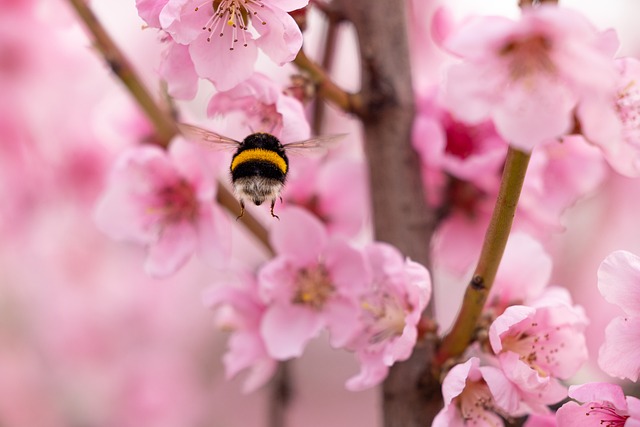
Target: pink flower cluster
369, 300
535, 342
219, 40
548, 75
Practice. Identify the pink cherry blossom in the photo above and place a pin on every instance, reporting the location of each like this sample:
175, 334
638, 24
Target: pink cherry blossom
177, 69
221, 36
313, 283
603, 404
473, 396
539, 344
246, 346
334, 189
468, 152
264, 108
613, 123
619, 283
528, 75
524, 272
390, 311
165, 201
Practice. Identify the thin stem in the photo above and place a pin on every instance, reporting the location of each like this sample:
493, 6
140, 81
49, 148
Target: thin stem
280, 395
327, 62
229, 202
163, 122
326, 88
495, 240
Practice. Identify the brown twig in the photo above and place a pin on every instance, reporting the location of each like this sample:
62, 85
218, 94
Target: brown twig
326, 63
163, 123
326, 88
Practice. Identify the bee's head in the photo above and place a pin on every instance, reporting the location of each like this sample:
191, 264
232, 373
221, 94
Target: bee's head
262, 140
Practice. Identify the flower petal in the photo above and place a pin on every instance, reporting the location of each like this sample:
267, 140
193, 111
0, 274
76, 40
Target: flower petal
619, 281
620, 354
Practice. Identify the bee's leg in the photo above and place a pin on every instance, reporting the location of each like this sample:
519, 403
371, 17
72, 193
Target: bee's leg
273, 203
241, 210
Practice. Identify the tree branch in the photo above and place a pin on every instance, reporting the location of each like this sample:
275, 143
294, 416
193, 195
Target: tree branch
457, 340
162, 121
411, 394
326, 88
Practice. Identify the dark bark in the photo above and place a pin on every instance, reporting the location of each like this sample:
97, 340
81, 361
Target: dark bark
411, 395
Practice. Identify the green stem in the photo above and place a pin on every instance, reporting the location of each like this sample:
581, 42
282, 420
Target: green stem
457, 340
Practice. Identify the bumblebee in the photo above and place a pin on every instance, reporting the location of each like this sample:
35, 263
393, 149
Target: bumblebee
260, 165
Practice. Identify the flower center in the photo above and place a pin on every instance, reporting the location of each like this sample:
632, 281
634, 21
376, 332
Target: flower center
314, 287
535, 348
476, 404
386, 317
233, 15
607, 415
627, 105
176, 202
528, 56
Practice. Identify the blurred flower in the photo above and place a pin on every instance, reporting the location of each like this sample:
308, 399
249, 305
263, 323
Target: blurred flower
528, 76
333, 189
165, 201
264, 107
244, 312
619, 283
613, 123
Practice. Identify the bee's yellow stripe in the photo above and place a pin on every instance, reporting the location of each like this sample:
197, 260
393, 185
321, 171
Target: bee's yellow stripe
259, 154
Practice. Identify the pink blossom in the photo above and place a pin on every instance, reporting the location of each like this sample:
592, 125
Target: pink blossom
524, 272
559, 174
220, 35
619, 283
603, 404
390, 311
313, 283
177, 69
264, 108
474, 395
528, 75
473, 153
613, 123
246, 346
165, 201
334, 189
539, 344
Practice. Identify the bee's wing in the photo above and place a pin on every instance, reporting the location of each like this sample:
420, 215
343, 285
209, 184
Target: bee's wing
315, 145
207, 138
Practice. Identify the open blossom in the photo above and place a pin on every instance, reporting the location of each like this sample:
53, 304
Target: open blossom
165, 201
313, 283
224, 35
603, 404
475, 396
244, 311
619, 283
390, 311
264, 108
613, 123
528, 75
539, 344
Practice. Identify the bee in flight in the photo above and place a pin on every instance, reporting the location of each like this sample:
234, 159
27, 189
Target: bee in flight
260, 165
